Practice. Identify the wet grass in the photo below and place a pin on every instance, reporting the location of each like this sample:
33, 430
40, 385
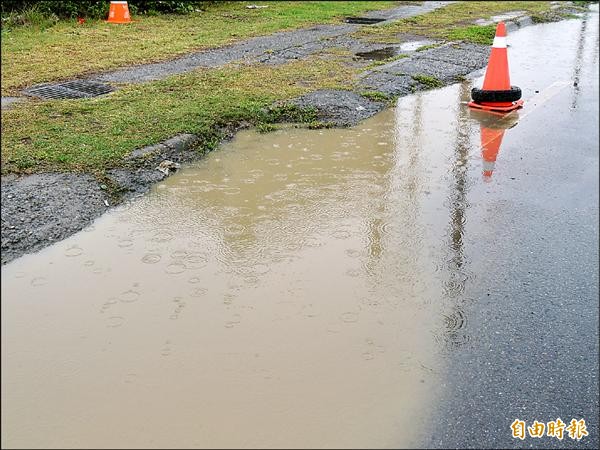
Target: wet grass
453, 22
426, 47
553, 16
478, 34
319, 125
264, 127
43, 51
375, 96
428, 81
95, 134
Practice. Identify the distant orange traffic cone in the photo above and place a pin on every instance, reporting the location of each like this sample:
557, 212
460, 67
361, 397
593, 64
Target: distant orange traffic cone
490, 146
497, 93
118, 13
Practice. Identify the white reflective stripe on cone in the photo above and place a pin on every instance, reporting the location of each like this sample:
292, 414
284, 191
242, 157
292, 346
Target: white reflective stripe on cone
119, 3
499, 42
488, 165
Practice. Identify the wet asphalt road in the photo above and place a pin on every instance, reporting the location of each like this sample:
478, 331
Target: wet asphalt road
528, 343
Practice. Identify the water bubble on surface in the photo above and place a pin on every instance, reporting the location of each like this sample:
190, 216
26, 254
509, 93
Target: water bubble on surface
309, 311
115, 321
38, 281
235, 229
341, 234
231, 191
175, 268
196, 260
353, 273
125, 243
162, 236
199, 292
250, 279
260, 269
129, 296
334, 328
349, 317
151, 258
179, 254
352, 253
73, 251
235, 319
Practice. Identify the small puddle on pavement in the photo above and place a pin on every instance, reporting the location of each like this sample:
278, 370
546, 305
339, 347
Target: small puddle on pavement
410, 46
381, 54
293, 289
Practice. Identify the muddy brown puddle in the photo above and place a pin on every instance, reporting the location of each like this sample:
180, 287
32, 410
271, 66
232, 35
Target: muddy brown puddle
281, 292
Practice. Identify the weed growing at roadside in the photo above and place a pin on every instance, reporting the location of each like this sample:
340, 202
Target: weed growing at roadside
426, 47
375, 96
479, 34
262, 127
317, 125
428, 81
29, 17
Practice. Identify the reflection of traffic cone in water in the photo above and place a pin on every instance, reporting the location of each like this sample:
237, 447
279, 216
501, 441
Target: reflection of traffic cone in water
490, 146
118, 13
497, 93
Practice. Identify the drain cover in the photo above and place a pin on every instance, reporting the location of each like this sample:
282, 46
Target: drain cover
363, 20
69, 89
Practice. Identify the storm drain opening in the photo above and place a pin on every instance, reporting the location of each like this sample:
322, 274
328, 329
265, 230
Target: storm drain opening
69, 89
363, 20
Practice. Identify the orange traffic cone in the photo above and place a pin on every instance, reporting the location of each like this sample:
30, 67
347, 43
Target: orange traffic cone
497, 93
118, 13
490, 146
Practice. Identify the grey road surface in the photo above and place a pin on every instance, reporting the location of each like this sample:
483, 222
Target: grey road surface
528, 342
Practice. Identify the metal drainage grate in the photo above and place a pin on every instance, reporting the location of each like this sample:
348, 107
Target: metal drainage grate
69, 89
363, 20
